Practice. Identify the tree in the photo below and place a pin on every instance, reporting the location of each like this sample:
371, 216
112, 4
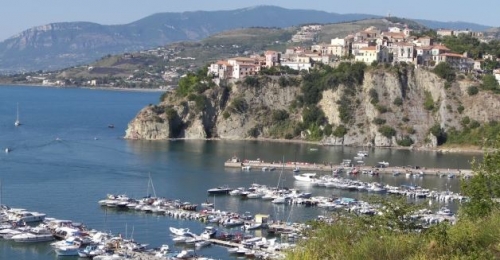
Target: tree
445, 71
490, 82
484, 186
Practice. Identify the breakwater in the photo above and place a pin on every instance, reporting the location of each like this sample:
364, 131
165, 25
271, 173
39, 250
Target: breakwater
261, 165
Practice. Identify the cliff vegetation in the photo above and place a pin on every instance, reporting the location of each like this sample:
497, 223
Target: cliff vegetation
349, 104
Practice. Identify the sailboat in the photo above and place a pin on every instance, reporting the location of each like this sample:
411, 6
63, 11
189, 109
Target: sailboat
17, 123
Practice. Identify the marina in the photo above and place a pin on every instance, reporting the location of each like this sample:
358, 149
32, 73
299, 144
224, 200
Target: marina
381, 167
62, 164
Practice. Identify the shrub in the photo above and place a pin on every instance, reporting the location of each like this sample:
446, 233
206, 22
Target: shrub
445, 71
405, 119
465, 121
381, 109
472, 90
474, 124
460, 109
328, 130
226, 115
387, 131
373, 96
439, 133
239, 105
340, 131
171, 113
253, 132
428, 102
280, 115
405, 141
378, 121
398, 101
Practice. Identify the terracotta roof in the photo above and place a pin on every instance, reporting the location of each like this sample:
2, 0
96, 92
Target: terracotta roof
270, 52
456, 55
369, 48
223, 62
403, 44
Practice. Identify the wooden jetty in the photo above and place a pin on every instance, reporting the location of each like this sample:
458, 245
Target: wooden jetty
315, 167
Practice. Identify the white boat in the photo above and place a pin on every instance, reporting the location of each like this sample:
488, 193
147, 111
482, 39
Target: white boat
28, 216
252, 226
233, 223
36, 234
178, 231
279, 200
202, 243
69, 250
185, 254
363, 153
296, 169
306, 177
246, 168
208, 232
383, 164
7, 150
17, 123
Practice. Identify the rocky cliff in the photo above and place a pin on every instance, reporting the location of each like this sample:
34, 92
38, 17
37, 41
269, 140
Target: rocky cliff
392, 107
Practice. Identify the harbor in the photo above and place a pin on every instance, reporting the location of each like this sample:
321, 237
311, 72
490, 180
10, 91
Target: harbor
381, 167
66, 178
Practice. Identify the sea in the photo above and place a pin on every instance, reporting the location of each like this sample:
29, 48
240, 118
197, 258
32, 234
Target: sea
65, 157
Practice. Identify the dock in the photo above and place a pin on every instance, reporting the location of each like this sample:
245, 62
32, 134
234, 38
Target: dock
314, 167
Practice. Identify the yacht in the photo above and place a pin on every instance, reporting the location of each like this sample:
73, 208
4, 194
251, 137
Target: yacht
209, 232
28, 216
36, 234
363, 153
306, 177
220, 190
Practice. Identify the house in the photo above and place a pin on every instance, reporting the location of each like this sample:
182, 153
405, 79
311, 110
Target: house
356, 46
272, 58
424, 55
457, 61
221, 69
298, 62
478, 64
444, 32
424, 41
403, 52
439, 49
372, 53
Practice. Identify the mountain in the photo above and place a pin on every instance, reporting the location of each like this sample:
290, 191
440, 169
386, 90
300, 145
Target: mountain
458, 25
61, 45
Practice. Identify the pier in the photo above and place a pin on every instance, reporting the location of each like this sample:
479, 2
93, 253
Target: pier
261, 165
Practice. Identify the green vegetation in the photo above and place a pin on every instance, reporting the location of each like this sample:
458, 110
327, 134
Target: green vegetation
398, 101
340, 131
428, 102
373, 96
405, 141
472, 90
490, 83
473, 133
392, 235
445, 71
194, 83
238, 105
378, 121
387, 131
439, 133
475, 49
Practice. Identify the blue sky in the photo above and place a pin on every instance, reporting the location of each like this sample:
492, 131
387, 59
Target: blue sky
19, 15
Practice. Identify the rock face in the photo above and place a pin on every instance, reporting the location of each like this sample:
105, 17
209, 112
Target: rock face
242, 111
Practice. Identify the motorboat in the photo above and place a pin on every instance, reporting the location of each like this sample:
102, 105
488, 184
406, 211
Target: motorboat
17, 122
279, 200
178, 231
296, 169
185, 254
219, 190
252, 226
362, 153
28, 216
246, 168
36, 234
209, 232
305, 177
383, 164
233, 223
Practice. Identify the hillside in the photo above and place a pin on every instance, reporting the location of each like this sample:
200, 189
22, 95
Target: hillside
384, 107
61, 45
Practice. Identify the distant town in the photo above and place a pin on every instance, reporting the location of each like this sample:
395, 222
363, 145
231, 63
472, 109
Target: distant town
394, 45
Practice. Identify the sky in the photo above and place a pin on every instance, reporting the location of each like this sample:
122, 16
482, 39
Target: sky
19, 15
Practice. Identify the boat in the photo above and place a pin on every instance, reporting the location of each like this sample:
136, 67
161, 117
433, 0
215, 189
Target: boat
296, 169
202, 243
220, 190
36, 234
209, 232
28, 217
246, 168
306, 177
185, 254
17, 122
362, 153
7, 150
383, 164
252, 226
111, 126
178, 231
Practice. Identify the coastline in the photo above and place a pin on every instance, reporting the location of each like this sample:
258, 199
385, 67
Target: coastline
445, 149
86, 87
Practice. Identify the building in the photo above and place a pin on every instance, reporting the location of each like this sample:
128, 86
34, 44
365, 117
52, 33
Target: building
424, 55
372, 53
444, 32
403, 52
272, 58
298, 62
457, 61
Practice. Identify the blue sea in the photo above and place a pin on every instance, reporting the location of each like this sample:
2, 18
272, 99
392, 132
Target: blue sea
64, 158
